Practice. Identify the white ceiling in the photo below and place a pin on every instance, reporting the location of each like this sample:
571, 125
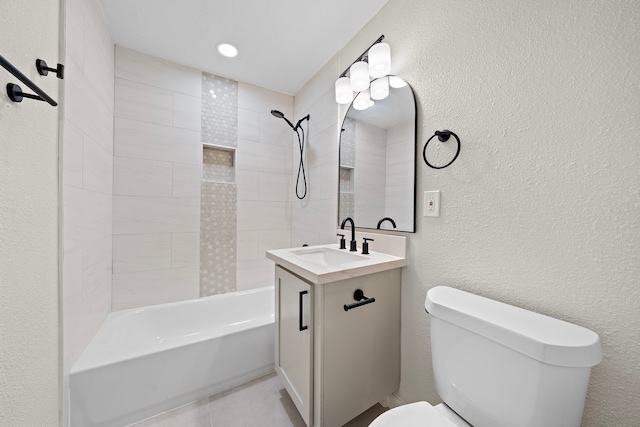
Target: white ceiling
282, 44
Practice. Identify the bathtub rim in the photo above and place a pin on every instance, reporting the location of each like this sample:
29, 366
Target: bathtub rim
82, 365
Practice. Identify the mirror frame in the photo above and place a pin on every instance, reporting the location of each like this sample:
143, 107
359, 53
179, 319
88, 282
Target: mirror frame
415, 165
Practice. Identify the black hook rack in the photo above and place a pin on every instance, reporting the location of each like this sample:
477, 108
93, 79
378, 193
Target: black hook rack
443, 136
15, 92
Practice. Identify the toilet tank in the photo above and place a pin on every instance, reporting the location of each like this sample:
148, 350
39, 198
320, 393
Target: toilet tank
498, 365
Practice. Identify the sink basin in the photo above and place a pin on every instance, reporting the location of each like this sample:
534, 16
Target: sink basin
326, 263
328, 256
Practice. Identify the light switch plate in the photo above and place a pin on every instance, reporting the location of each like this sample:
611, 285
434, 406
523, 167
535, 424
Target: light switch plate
431, 203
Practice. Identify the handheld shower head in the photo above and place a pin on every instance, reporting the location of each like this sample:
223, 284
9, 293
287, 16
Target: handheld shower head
280, 115
299, 130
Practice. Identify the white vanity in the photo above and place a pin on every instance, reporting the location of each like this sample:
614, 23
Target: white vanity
337, 353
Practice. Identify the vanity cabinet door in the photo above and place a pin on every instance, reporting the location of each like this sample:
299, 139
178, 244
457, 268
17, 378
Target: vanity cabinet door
361, 346
294, 339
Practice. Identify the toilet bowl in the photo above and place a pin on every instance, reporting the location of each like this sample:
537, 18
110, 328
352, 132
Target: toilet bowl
419, 414
496, 365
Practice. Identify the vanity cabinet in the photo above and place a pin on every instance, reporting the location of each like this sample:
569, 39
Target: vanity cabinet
337, 363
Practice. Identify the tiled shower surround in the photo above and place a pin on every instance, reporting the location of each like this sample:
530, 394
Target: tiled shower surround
157, 164
175, 224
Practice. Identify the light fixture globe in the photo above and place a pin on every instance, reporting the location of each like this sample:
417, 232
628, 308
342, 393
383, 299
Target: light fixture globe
362, 101
379, 60
380, 88
396, 82
359, 73
344, 94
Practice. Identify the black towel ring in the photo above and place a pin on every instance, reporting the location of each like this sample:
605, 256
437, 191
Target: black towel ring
443, 136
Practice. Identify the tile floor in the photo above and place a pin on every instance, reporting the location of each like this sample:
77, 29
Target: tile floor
263, 402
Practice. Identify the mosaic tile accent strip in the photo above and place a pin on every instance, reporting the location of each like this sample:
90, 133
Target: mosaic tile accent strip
218, 223
346, 206
348, 143
345, 180
217, 165
219, 110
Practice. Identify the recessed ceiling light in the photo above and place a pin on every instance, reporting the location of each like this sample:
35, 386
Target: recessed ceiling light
227, 50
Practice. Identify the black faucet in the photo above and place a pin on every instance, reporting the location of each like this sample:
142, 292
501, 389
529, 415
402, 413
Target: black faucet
353, 243
386, 219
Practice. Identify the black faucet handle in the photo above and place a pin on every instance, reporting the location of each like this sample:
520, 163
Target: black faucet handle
343, 243
365, 245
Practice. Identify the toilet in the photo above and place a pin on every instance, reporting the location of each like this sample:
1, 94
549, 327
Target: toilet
496, 365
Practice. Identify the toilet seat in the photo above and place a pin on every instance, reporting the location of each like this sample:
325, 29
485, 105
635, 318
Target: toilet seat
419, 414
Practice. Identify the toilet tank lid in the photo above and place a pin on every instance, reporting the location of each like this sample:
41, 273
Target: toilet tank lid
540, 337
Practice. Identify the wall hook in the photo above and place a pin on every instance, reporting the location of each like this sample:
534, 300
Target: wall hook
43, 69
443, 136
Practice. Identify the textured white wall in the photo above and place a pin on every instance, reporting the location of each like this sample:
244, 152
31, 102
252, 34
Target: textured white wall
29, 324
541, 208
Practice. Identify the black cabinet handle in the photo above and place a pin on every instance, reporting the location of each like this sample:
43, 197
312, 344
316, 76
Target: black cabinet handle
358, 295
302, 328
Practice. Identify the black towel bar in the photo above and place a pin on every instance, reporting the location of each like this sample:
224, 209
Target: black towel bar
358, 295
15, 92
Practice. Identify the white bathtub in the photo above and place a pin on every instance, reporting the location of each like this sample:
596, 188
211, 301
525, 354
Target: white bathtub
149, 360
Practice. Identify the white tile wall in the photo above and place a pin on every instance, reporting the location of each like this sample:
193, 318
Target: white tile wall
264, 170
186, 180
142, 177
156, 142
184, 250
369, 174
314, 219
136, 67
141, 252
87, 179
186, 111
156, 201
141, 288
72, 155
140, 215
400, 176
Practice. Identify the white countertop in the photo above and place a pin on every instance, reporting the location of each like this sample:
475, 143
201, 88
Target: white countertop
319, 274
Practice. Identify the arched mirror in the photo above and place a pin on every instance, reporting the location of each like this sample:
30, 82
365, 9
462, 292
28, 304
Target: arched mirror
377, 161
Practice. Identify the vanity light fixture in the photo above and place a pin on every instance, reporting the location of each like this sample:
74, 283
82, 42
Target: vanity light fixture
374, 63
227, 50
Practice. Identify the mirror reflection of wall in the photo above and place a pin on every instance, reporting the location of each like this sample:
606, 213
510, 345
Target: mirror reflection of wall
377, 162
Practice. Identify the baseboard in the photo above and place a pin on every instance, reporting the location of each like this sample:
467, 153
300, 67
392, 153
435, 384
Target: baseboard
392, 401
